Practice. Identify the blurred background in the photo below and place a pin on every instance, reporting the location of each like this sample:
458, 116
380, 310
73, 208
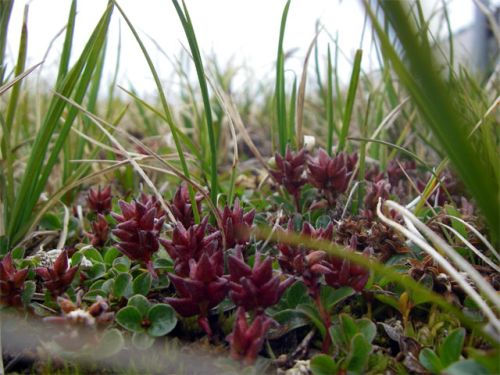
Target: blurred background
240, 34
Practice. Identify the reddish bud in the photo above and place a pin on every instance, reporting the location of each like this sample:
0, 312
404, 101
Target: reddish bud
289, 170
246, 340
255, 288
11, 282
190, 244
99, 200
181, 206
236, 225
202, 289
139, 228
58, 278
100, 231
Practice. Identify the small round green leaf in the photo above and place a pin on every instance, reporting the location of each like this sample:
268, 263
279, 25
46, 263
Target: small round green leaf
451, 348
162, 318
358, 356
466, 367
367, 328
430, 360
141, 303
96, 271
121, 283
93, 255
121, 264
130, 318
91, 295
323, 364
142, 284
110, 255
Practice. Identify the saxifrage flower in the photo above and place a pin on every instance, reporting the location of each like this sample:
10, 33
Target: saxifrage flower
257, 288
57, 279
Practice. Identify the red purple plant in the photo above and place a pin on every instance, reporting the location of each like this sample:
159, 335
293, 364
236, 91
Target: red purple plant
257, 288
289, 172
246, 340
394, 171
139, 230
379, 189
191, 243
329, 174
298, 261
341, 272
99, 200
151, 201
373, 174
11, 282
181, 206
202, 290
100, 231
57, 279
236, 225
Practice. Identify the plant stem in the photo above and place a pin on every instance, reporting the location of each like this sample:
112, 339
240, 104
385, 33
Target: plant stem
325, 316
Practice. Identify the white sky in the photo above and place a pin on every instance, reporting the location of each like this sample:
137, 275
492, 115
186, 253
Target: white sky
241, 29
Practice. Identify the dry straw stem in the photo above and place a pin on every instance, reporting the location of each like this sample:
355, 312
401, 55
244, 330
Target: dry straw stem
478, 234
171, 169
302, 94
18, 78
482, 284
471, 247
64, 232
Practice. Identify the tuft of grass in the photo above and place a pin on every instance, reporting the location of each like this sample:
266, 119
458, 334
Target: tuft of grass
417, 71
42, 159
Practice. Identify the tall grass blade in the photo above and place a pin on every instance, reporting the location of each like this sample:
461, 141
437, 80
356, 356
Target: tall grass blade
9, 120
280, 95
5, 12
351, 95
68, 44
195, 51
166, 108
329, 104
292, 113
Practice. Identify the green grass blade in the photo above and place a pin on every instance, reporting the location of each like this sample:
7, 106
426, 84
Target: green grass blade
5, 12
280, 95
193, 45
166, 108
317, 71
329, 104
9, 120
351, 95
292, 114
68, 44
